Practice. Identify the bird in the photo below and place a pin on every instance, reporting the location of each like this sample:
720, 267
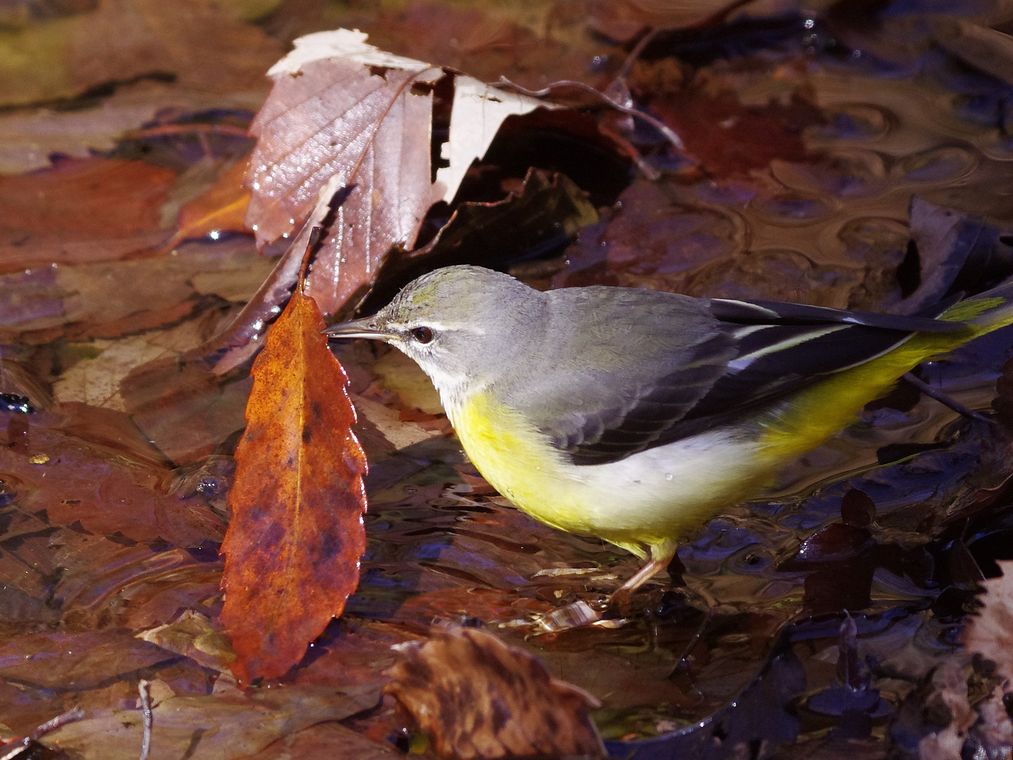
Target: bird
636, 415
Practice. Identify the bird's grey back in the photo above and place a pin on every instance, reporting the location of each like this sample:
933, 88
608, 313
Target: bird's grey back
605, 353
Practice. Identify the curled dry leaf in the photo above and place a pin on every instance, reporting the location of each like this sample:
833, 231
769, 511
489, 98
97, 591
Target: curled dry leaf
990, 632
343, 110
479, 698
295, 535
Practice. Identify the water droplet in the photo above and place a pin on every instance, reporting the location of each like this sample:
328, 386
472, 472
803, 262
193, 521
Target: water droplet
669, 476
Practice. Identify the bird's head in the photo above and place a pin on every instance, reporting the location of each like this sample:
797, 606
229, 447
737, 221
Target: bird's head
460, 324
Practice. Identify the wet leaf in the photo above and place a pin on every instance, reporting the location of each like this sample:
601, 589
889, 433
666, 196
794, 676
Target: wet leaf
29, 138
137, 38
479, 698
729, 137
332, 117
988, 50
195, 636
221, 208
346, 113
295, 534
331, 740
101, 487
60, 660
623, 20
990, 632
59, 215
217, 727
761, 713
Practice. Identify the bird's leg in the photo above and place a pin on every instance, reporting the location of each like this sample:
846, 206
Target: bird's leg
661, 556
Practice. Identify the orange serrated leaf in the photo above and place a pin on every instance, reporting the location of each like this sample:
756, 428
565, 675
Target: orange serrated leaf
220, 208
295, 535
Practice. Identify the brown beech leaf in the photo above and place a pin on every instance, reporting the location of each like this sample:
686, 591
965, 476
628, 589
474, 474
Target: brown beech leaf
295, 535
990, 632
346, 117
479, 698
330, 117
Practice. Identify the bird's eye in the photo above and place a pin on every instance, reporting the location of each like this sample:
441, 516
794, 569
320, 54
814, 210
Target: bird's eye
422, 334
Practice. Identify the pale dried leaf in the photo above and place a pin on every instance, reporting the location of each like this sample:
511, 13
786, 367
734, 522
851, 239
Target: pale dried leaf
476, 116
335, 120
990, 632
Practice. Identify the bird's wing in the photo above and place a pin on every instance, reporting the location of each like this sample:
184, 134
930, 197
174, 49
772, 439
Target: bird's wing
656, 367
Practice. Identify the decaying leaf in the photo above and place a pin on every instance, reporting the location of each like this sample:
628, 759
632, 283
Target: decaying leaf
195, 636
56, 215
295, 535
479, 698
990, 632
221, 57
209, 727
221, 208
86, 660
76, 481
341, 108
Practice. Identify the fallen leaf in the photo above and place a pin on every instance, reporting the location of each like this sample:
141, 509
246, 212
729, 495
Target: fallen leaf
195, 636
990, 632
218, 727
100, 487
296, 534
185, 409
57, 58
729, 137
988, 50
533, 44
60, 660
104, 582
332, 117
623, 20
81, 210
331, 740
29, 138
344, 112
220, 208
479, 698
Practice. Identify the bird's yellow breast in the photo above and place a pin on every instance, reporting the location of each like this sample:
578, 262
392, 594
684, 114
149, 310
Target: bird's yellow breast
518, 461
643, 500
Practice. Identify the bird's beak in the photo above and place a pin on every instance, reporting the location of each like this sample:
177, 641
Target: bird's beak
356, 328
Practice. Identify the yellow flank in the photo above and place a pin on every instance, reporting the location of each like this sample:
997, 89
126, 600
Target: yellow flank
517, 461
809, 417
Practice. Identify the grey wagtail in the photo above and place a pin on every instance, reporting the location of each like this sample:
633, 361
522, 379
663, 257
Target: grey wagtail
635, 415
